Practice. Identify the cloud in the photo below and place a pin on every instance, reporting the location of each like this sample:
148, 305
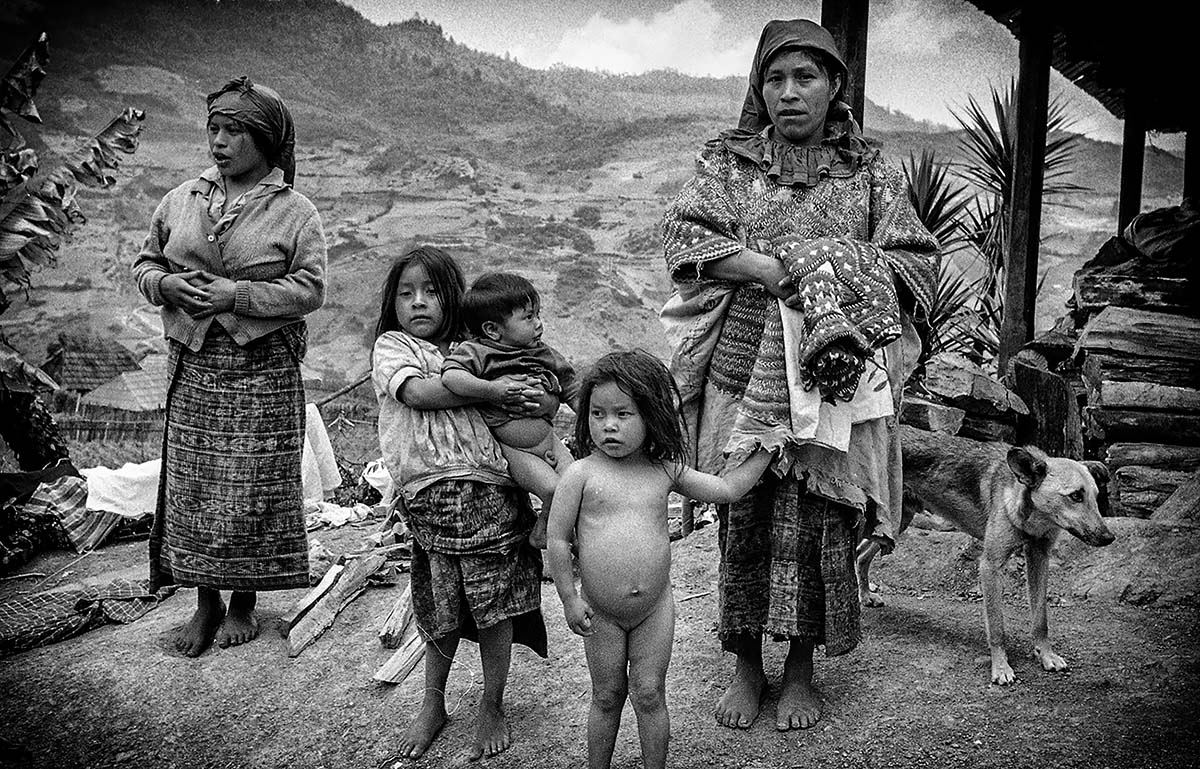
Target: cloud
915, 28
689, 37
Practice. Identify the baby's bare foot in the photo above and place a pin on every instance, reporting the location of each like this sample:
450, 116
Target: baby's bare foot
799, 706
491, 732
197, 635
422, 731
739, 705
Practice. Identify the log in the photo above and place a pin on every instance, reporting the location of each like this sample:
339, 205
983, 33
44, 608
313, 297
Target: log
1144, 395
320, 617
1099, 367
1096, 291
1183, 504
957, 381
1160, 456
982, 429
403, 661
934, 417
1138, 492
392, 631
289, 620
1114, 425
1055, 425
1143, 334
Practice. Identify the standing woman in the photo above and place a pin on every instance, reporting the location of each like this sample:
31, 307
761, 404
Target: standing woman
793, 210
235, 259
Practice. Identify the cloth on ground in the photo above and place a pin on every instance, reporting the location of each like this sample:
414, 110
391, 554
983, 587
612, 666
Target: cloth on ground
36, 620
130, 490
318, 465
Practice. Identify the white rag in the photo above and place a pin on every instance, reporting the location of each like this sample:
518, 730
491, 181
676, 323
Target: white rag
318, 466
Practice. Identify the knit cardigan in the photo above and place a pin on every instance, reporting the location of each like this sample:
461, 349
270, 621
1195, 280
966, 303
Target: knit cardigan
274, 251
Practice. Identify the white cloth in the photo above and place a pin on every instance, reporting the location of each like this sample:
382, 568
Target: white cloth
130, 491
821, 422
376, 474
318, 466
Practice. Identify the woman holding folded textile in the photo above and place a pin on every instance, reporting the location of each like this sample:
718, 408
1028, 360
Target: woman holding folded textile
798, 261
236, 260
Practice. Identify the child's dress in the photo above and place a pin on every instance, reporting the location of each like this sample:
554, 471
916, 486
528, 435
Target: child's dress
472, 564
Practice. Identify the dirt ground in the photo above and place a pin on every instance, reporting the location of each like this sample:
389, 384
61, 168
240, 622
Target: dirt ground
914, 694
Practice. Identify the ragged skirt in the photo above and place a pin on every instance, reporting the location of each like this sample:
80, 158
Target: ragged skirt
230, 511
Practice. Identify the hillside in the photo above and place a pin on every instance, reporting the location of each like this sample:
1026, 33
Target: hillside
405, 135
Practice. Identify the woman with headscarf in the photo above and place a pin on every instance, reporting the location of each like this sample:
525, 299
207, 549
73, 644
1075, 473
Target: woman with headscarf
798, 261
235, 259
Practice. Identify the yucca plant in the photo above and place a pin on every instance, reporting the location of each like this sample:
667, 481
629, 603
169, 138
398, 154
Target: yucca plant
37, 210
989, 144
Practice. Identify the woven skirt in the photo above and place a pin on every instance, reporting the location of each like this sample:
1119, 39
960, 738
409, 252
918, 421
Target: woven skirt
230, 509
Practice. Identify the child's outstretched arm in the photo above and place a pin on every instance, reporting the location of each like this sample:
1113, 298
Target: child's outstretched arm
728, 487
560, 530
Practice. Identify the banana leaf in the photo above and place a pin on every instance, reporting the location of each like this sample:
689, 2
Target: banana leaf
21, 83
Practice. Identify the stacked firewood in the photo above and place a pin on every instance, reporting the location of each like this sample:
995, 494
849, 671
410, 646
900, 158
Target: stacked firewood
1138, 361
957, 397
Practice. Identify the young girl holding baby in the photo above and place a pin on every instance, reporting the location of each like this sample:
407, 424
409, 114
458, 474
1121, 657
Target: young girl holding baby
474, 575
613, 504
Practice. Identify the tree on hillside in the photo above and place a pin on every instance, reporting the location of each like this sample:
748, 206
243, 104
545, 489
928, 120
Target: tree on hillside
37, 210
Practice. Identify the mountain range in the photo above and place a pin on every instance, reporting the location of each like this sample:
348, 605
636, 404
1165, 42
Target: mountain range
405, 135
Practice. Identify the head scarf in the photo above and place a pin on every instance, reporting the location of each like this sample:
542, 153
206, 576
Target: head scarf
777, 36
262, 110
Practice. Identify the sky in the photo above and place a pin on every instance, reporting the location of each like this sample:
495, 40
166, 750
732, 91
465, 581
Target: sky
924, 57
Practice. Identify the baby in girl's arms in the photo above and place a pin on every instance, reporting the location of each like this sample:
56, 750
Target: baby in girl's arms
502, 312
613, 504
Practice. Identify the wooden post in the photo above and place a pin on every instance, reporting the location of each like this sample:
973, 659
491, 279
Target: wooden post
1133, 161
1025, 213
1191, 163
846, 20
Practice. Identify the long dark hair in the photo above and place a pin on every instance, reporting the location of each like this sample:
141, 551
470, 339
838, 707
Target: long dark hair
447, 279
647, 381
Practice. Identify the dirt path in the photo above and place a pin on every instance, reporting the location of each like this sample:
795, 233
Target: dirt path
914, 694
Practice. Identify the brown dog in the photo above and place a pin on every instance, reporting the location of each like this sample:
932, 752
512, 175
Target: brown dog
1009, 497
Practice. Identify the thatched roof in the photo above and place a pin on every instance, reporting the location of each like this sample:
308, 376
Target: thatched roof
83, 362
144, 389
1145, 51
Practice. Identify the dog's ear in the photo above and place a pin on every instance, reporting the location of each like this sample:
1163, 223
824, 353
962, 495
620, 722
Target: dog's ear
1030, 468
1099, 471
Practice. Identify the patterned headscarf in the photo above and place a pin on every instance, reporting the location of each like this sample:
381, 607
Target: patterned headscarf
780, 35
262, 110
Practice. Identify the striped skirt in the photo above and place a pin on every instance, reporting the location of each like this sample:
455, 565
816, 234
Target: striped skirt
230, 504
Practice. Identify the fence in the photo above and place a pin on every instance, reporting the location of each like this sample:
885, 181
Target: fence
117, 425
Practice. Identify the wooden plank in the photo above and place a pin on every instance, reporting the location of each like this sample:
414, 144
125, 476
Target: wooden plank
1129, 425
321, 616
301, 607
402, 662
934, 417
1183, 504
1143, 334
391, 632
1145, 395
1101, 367
1094, 292
1055, 425
1139, 491
1029, 160
1161, 456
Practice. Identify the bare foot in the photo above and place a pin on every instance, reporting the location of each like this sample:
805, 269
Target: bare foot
197, 635
491, 732
739, 705
421, 732
241, 622
799, 705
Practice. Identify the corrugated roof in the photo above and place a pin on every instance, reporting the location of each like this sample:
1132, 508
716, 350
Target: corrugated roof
1145, 50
